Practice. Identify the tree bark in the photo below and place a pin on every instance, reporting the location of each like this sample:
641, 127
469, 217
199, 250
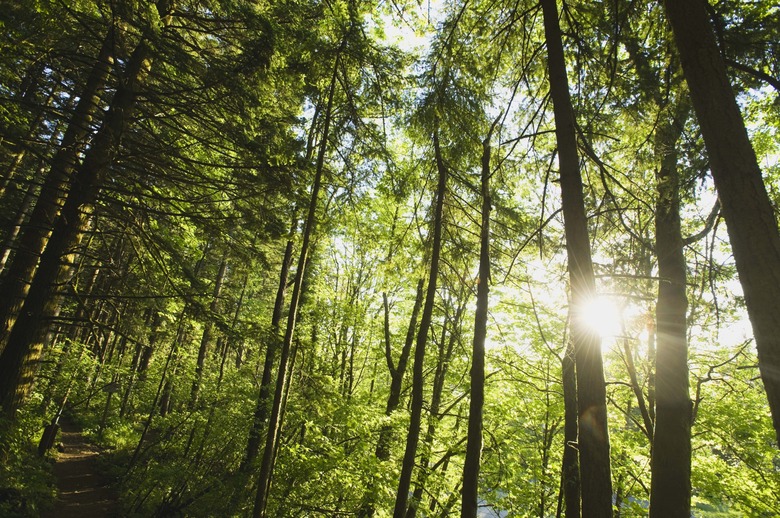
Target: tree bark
593, 440
413, 433
34, 236
471, 464
750, 218
19, 358
670, 492
274, 421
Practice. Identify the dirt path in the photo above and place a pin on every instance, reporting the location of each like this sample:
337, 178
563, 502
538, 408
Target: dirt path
83, 491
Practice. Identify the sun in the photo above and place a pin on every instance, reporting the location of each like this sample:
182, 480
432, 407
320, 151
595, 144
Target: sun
603, 316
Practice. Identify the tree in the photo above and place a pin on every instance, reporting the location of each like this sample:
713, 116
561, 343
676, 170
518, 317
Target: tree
671, 455
474, 444
413, 433
748, 212
175, 287
593, 437
266, 468
21, 353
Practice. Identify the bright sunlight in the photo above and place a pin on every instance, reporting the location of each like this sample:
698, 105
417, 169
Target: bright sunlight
603, 316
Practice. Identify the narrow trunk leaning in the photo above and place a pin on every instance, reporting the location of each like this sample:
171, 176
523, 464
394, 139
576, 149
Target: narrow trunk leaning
397, 373
413, 433
274, 421
262, 405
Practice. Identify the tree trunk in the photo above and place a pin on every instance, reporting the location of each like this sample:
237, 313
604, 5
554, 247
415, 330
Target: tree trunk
593, 441
570, 467
34, 236
670, 493
628, 357
474, 443
397, 373
413, 434
439, 376
21, 354
748, 212
263, 398
274, 421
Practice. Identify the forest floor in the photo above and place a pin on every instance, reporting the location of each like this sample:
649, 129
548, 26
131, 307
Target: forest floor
83, 491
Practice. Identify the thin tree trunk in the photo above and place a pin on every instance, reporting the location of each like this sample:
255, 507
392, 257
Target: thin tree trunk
397, 372
160, 396
670, 492
593, 439
274, 422
647, 422
413, 434
439, 376
470, 491
748, 212
263, 399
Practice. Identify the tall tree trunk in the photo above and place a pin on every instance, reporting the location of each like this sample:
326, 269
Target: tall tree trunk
274, 421
20, 353
263, 398
748, 212
474, 444
34, 236
593, 440
670, 492
413, 434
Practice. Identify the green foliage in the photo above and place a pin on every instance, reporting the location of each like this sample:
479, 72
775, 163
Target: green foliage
26, 481
218, 163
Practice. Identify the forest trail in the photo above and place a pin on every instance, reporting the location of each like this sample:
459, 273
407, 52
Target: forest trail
83, 491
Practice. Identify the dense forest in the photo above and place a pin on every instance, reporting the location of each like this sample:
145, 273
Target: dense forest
495, 258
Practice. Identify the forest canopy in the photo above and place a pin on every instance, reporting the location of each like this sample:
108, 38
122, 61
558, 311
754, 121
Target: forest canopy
285, 258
